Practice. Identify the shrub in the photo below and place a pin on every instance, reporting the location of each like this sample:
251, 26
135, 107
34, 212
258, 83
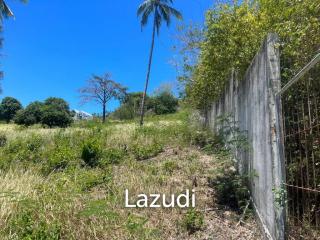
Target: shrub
60, 158
193, 221
231, 189
8, 108
27, 225
142, 151
21, 150
112, 156
3, 139
91, 153
89, 178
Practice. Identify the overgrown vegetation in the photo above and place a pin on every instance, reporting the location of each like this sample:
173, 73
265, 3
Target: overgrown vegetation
233, 34
69, 183
53, 112
162, 102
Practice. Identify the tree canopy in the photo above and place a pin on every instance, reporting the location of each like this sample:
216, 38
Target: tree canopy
8, 108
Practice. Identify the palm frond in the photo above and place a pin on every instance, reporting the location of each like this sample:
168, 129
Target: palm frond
5, 10
174, 12
162, 12
145, 16
158, 20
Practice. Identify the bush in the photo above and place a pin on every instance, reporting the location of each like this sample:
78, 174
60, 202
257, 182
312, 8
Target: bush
90, 178
112, 156
91, 153
193, 221
27, 225
61, 157
142, 151
8, 108
21, 151
3, 139
231, 189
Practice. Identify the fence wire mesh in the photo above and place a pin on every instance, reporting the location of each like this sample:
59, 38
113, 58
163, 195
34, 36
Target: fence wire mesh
301, 122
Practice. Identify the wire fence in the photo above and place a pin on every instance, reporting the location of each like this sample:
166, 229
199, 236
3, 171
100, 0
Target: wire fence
301, 122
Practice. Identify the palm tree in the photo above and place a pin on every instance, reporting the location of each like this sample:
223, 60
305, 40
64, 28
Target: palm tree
161, 12
5, 11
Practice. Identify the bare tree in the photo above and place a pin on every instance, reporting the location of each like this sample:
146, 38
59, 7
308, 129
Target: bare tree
101, 89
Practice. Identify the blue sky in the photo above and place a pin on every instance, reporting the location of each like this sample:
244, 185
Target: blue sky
53, 47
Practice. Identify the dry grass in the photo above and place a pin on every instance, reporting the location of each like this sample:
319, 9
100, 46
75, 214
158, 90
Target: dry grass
15, 186
82, 203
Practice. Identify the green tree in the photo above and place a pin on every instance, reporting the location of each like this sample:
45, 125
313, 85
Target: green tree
131, 105
56, 113
162, 11
32, 114
8, 108
164, 103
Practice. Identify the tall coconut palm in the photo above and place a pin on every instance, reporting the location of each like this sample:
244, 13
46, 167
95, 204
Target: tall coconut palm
161, 11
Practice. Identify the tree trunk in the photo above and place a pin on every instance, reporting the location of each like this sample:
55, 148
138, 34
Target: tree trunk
148, 74
104, 113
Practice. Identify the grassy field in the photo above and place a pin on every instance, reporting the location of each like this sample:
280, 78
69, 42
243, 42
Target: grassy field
70, 183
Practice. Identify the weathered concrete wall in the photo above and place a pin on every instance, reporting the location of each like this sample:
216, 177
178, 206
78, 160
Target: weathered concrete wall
252, 102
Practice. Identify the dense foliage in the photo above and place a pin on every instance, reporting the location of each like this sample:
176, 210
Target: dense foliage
54, 112
8, 108
234, 33
32, 114
163, 102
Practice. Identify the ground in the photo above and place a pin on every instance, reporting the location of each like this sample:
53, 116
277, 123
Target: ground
70, 183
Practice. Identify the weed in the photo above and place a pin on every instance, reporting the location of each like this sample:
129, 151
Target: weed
170, 166
3, 139
112, 156
145, 151
91, 152
28, 224
193, 221
59, 158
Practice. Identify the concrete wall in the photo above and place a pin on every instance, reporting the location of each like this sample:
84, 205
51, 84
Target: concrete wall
253, 105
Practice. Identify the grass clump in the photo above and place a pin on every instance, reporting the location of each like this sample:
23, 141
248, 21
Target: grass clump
170, 166
113, 156
193, 221
91, 152
3, 139
27, 225
59, 159
143, 151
